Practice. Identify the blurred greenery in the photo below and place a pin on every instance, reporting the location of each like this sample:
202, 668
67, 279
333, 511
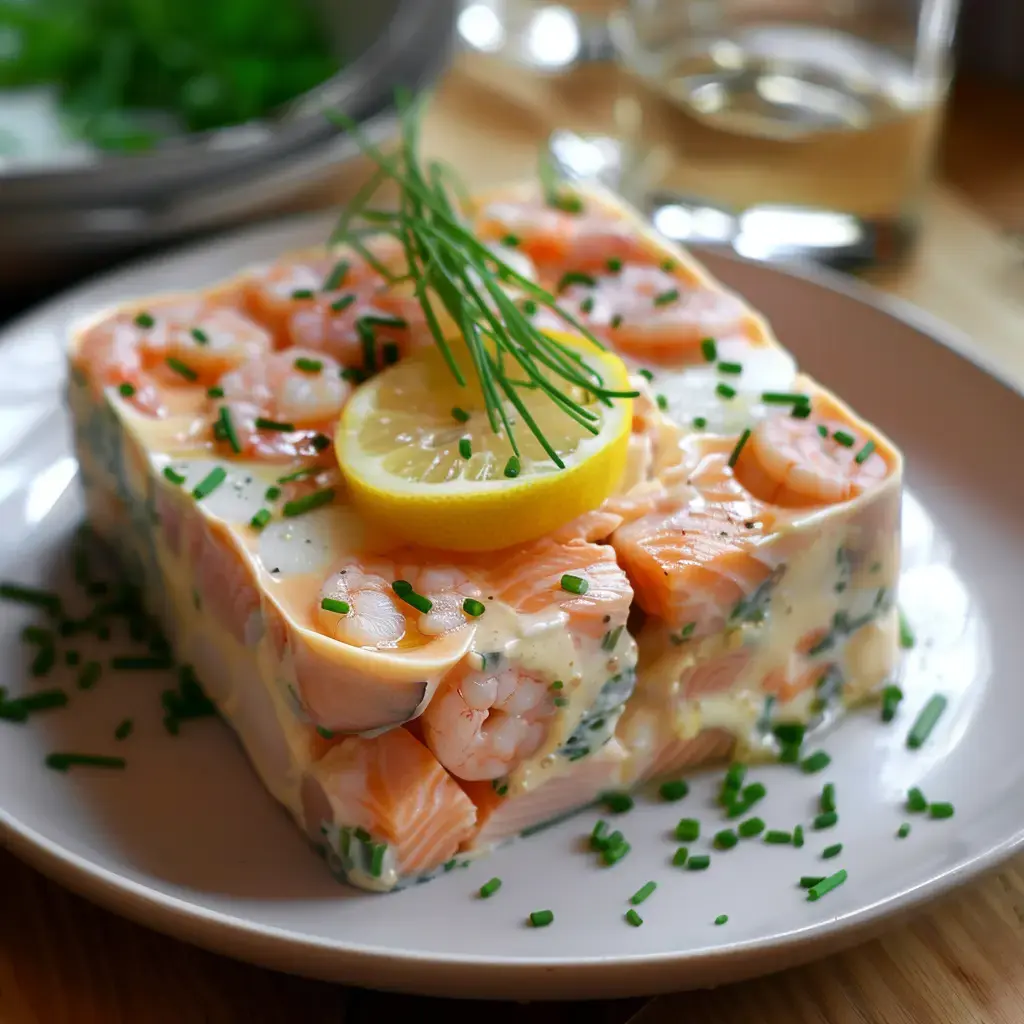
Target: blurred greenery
121, 64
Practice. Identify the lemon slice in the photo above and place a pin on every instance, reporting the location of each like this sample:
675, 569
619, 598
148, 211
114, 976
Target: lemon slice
419, 467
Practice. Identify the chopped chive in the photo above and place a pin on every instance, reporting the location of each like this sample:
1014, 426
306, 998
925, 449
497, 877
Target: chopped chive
38, 635
862, 456
907, 638
43, 662
679, 857
321, 442
209, 483
529, 307
330, 604
44, 700
614, 852
325, 733
489, 888
687, 830
642, 893
801, 410
123, 731
699, 423
62, 762
832, 851
891, 697
512, 466
668, 266
940, 810
575, 584
72, 658
617, 802
575, 277
173, 476
260, 519
789, 732
389, 350
557, 684
783, 398
778, 837
699, 863
308, 502
307, 365
616, 320
473, 607
810, 881
264, 424
826, 885
302, 293
144, 320
383, 320
916, 800
925, 721
646, 374
826, 819
843, 438
336, 277
818, 761
614, 264
410, 597
460, 415
272, 493
822, 430
125, 389
725, 840
633, 918
214, 392
611, 639
587, 305
724, 391
903, 831
732, 368
465, 447
664, 298
541, 918
200, 336
674, 789
798, 836
89, 675
662, 402
561, 702
722, 919
684, 634
182, 369
510, 241
597, 834
299, 474
131, 662
827, 800
734, 457
751, 827
340, 304
709, 349
227, 429
30, 595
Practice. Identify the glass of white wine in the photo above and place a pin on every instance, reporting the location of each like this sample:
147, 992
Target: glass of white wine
788, 129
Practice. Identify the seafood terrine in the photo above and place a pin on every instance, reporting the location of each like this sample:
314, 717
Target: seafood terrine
409, 703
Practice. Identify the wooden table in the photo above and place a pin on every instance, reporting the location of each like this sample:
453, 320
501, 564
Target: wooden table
960, 962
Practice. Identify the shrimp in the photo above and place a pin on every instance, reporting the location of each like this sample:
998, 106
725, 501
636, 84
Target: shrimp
650, 314
481, 724
170, 343
285, 404
555, 238
802, 463
377, 617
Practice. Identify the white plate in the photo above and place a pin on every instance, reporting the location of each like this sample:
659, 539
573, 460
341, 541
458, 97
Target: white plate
186, 840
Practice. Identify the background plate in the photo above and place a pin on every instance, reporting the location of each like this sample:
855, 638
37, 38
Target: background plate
186, 840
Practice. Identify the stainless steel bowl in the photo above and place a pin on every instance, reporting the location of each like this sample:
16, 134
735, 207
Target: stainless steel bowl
107, 203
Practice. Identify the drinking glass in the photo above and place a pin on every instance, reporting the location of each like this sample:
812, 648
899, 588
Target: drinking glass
784, 128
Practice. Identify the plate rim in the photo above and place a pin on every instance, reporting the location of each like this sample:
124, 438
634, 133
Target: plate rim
403, 969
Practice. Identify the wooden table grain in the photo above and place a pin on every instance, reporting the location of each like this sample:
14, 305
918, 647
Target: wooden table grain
961, 961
